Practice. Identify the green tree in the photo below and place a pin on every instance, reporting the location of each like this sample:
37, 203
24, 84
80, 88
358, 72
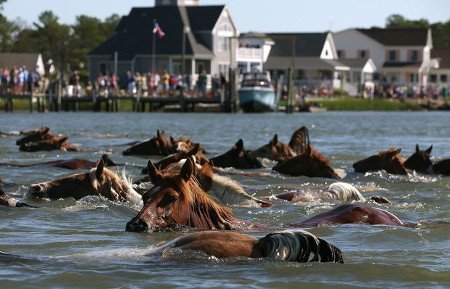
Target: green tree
441, 34
398, 21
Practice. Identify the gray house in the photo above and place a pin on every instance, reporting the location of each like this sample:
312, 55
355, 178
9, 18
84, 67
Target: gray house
200, 37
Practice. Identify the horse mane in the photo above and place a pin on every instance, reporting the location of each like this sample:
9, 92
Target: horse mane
299, 140
344, 192
299, 246
202, 211
320, 157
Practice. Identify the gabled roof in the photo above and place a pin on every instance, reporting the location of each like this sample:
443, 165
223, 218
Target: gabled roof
443, 55
398, 36
306, 44
11, 60
134, 34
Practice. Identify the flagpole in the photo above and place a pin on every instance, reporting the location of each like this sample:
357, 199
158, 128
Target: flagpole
153, 52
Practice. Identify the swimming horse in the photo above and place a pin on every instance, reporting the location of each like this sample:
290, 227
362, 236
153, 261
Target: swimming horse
276, 150
290, 245
70, 164
176, 200
98, 181
237, 157
310, 163
9, 201
421, 162
390, 160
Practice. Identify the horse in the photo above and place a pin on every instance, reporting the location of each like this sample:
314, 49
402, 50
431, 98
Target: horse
278, 151
237, 158
34, 135
11, 202
442, 167
310, 163
157, 145
177, 200
70, 164
390, 160
420, 161
338, 191
289, 245
98, 181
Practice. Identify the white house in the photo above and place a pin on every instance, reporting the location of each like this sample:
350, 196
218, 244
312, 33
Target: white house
401, 55
440, 71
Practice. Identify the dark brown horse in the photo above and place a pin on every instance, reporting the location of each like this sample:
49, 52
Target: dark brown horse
420, 161
177, 200
278, 151
390, 160
292, 245
442, 167
70, 164
35, 135
98, 181
237, 158
310, 163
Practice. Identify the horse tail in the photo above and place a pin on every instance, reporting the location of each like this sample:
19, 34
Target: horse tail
299, 246
131, 194
299, 140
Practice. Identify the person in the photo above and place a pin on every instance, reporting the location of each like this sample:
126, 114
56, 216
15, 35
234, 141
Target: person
201, 83
166, 81
131, 83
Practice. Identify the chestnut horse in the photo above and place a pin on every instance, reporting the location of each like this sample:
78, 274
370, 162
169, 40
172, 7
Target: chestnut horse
237, 158
290, 245
157, 145
278, 151
98, 181
310, 163
177, 200
70, 164
390, 160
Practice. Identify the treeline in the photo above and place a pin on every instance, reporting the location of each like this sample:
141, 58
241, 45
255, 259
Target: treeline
68, 45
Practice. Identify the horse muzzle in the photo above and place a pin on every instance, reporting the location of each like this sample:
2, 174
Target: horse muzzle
136, 225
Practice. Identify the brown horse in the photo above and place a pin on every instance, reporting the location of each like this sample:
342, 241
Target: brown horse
291, 245
420, 161
237, 158
310, 163
442, 167
177, 200
390, 160
98, 181
157, 145
70, 164
278, 151
35, 135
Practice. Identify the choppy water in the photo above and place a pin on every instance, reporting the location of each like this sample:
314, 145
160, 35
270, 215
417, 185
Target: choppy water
83, 244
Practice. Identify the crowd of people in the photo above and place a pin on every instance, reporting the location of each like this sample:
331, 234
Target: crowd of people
20, 80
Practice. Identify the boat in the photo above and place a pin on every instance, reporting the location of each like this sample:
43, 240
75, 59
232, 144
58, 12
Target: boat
256, 93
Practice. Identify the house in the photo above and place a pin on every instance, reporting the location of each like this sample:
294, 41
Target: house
440, 71
312, 55
30, 60
252, 51
401, 55
196, 39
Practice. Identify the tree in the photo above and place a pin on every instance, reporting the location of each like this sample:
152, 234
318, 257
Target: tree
398, 21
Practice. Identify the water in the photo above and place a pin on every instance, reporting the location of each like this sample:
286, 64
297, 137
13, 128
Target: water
83, 244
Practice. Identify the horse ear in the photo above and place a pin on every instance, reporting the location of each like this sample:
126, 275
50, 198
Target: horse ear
393, 153
275, 139
63, 139
187, 170
417, 148
172, 140
428, 151
195, 149
44, 130
308, 149
240, 144
99, 170
153, 172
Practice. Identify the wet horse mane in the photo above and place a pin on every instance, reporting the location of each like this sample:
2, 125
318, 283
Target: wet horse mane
318, 156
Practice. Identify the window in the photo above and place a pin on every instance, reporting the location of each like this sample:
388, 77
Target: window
433, 78
444, 78
392, 55
414, 56
363, 54
224, 43
341, 53
224, 34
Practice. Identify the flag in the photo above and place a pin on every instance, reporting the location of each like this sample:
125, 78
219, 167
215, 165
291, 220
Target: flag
157, 30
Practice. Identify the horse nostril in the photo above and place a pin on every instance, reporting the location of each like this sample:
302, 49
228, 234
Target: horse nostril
136, 225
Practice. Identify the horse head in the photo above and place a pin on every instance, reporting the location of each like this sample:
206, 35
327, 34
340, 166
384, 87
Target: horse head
274, 150
34, 136
157, 145
176, 199
420, 160
390, 160
98, 181
54, 143
310, 163
237, 158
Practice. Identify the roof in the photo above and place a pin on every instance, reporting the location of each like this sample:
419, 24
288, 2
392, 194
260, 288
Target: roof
443, 55
398, 36
13, 59
134, 34
354, 62
304, 63
306, 44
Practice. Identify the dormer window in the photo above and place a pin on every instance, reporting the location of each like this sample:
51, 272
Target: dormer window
392, 56
414, 56
363, 54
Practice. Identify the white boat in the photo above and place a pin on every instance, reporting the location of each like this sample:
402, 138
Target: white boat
256, 93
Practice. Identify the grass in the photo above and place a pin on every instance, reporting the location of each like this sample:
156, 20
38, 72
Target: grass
360, 104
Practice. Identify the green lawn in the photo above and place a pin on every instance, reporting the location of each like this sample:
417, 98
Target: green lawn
360, 104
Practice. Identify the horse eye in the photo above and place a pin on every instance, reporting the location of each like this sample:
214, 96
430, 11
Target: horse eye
167, 201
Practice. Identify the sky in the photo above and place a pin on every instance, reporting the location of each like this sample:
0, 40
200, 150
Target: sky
254, 15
